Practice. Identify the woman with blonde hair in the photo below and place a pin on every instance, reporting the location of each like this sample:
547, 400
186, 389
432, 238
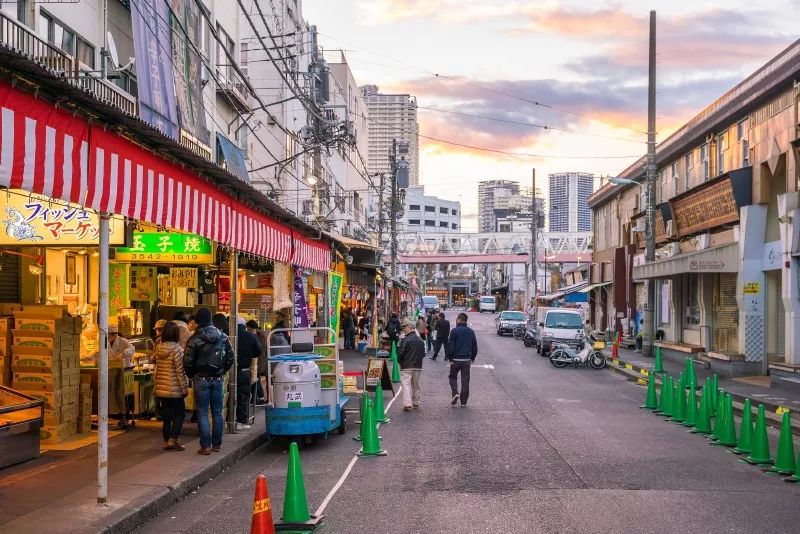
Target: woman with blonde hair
172, 386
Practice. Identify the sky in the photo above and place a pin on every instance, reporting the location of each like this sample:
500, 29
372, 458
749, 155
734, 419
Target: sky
577, 67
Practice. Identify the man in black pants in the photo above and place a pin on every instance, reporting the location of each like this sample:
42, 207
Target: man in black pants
247, 348
442, 335
463, 350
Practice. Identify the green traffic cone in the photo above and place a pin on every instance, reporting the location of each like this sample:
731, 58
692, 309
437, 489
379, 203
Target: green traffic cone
703, 425
691, 408
362, 430
679, 400
760, 453
650, 402
395, 365
371, 445
295, 502
658, 366
667, 394
380, 413
661, 396
785, 462
715, 394
796, 476
689, 374
719, 418
745, 443
727, 436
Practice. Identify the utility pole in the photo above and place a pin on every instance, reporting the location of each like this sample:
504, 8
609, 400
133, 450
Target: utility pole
650, 183
534, 240
393, 208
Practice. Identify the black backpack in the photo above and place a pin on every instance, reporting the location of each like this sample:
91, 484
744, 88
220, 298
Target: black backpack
212, 356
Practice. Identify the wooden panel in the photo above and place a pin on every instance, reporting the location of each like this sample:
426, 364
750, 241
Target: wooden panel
708, 208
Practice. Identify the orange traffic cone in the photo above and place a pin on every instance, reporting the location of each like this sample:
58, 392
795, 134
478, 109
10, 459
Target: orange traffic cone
262, 509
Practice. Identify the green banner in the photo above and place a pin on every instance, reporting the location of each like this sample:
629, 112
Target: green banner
161, 247
117, 288
334, 301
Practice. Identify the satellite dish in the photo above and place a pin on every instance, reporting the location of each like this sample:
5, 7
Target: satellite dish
112, 49
348, 259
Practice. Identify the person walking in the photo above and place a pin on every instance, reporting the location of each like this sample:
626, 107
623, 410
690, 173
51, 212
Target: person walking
171, 386
442, 337
247, 349
430, 322
410, 354
393, 329
208, 356
463, 350
261, 369
349, 328
422, 328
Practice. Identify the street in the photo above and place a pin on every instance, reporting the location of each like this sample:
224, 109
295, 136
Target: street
538, 449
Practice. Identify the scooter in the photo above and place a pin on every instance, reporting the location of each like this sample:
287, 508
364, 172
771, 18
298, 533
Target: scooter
529, 337
563, 355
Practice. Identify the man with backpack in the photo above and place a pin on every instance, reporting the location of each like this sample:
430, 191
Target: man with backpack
208, 356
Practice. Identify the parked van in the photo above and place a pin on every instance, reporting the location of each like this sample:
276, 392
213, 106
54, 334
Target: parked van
487, 303
430, 302
560, 325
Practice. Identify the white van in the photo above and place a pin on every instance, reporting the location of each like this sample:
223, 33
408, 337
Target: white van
487, 303
560, 325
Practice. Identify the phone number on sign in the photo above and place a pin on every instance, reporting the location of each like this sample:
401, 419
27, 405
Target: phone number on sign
155, 256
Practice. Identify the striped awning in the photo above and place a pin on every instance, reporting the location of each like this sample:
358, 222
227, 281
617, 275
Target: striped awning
46, 150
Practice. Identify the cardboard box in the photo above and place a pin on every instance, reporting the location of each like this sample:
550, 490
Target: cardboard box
86, 378
53, 311
85, 424
8, 308
69, 325
35, 358
52, 399
36, 324
40, 381
85, 406
56, 433
69, 396
6, 324
71, 377
60, 415
33, 338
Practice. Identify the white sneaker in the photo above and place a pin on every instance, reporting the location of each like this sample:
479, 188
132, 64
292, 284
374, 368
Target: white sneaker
242, 426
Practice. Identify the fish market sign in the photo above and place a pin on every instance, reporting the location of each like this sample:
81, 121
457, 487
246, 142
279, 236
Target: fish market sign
28, 219
163, 247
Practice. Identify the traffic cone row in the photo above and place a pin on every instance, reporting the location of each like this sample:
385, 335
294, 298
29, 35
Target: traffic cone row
681, 407
395, 365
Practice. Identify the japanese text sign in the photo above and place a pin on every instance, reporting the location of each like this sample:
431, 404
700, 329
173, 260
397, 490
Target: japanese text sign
163, 247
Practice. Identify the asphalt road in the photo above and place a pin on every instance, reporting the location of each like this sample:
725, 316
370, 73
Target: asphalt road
538, 449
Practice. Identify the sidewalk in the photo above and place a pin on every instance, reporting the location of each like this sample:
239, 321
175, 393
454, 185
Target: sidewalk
631, 364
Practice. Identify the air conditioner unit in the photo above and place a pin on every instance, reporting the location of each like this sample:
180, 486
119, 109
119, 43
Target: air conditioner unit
674, 249
703, 241
670, 228
640, 226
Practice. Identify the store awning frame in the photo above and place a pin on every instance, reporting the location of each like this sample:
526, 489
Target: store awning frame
592, 287
234, 158
720, 259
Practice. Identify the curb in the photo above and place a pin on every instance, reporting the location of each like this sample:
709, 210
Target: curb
639, 375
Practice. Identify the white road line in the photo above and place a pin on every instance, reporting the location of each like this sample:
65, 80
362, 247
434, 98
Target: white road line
349, 468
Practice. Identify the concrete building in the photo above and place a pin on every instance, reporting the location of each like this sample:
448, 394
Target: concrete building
727, 231
391, 116
492, 195
569, 193
429, 214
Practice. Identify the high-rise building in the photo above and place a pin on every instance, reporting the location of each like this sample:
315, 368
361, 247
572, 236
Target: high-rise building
569, 193
429, 214
391, 117
492, 195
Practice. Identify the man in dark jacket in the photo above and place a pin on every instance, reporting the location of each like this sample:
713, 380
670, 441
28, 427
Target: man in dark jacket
442, 336
247, 349
208, 356
393, 329
463, 350
430, 322
410, 354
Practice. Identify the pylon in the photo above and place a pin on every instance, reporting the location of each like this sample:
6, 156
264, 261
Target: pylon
679, 408
691, 408
650, 402
262, 522
760, 453
363, 428
719, 418
658, 366
703, 425
661, 396
668, 395
689, 374
727, 435
796, 476
380, 413
715, 393
745, 443
785, 462
295, 503
395, 365
371, 445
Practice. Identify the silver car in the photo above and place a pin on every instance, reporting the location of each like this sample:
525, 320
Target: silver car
507, 321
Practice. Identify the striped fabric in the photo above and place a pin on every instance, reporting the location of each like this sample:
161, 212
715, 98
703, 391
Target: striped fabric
47, 150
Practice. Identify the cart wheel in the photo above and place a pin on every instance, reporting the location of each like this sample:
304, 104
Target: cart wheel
343, 425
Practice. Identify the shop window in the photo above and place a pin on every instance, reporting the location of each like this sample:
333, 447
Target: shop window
691, 299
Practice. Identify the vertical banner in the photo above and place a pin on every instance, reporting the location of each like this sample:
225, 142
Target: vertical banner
155, 76
334, 300
117, 288
300, 308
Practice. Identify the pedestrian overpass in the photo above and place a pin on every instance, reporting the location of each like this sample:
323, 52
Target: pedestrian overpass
494, 247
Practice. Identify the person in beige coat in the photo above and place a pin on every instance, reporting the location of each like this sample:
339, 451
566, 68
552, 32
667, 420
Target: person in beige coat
172, 386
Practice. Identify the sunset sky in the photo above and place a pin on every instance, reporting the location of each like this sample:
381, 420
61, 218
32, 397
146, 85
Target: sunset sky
584, 61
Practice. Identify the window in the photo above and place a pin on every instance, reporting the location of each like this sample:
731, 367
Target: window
453, 226
430, 223
443, 224
741, 130
413, 207
691, 299
704, 162
741, 137
689, 166
453, 212
722, 145
430, 209
413, 222
56, 33
223, 65
443, 211
674, 171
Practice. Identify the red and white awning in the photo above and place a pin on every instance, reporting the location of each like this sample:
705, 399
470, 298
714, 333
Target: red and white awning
46, 150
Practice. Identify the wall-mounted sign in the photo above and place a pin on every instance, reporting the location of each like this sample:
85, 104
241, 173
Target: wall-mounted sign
117, 288
164, 247
183, 277
751, 288
37, 220
771, 256
710, 207
143, 283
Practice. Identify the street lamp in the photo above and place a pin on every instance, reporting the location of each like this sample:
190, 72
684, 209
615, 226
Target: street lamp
616, 180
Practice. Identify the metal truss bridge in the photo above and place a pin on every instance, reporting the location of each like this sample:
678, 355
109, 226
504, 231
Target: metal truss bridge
495, 247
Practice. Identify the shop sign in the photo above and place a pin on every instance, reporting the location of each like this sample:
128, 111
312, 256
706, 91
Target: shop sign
183, 277
771, 256
706, 266
751, 288
300, 308
266, 302
161, 247
117, 288
264, 281
334, 300
30, 219
710, 207
143, 283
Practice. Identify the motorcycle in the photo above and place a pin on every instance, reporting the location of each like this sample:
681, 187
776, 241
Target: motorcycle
529, 337
563, 355
519, 331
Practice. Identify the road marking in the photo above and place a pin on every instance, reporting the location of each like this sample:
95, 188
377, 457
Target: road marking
567, 400
517, 361
349, 467
485, 365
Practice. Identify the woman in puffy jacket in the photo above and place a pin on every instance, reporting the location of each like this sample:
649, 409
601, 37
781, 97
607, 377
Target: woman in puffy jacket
172, 386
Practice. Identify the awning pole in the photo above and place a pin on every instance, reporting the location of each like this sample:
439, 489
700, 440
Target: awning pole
102, 373
233, 326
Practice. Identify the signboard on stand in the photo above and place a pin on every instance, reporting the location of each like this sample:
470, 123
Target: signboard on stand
378, 372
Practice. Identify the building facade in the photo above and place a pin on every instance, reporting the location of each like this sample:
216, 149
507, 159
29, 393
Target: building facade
492, 195
390, 117
569, 193
726, 273
429, 214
